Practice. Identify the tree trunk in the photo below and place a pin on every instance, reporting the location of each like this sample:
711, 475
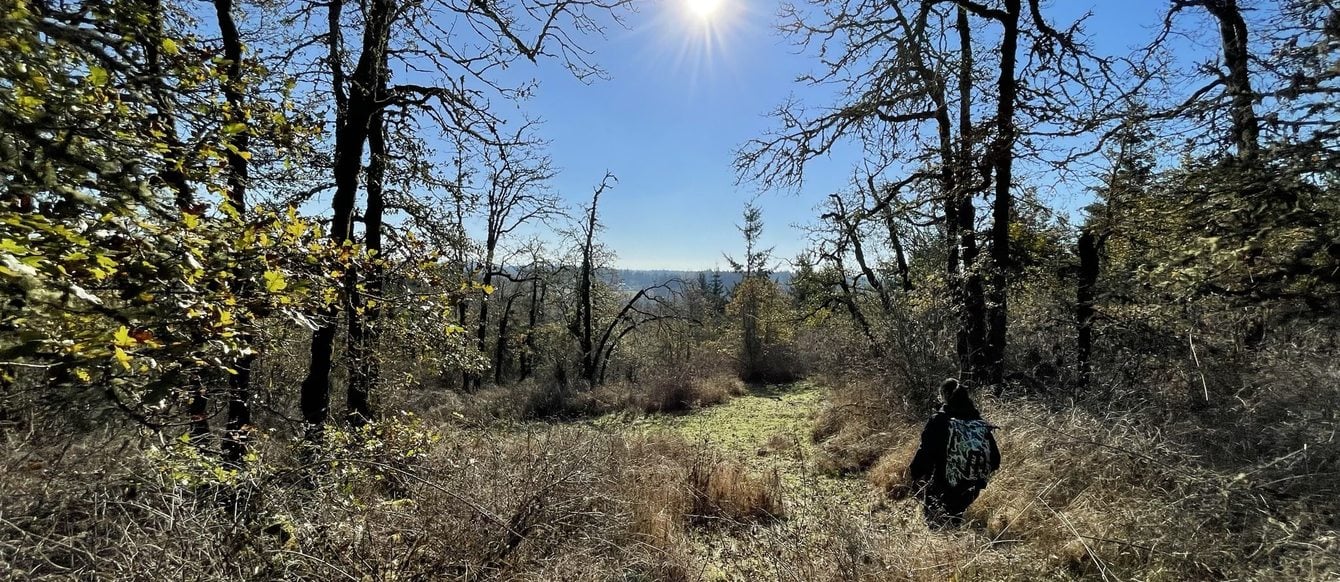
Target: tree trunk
849, 300
1003, 154
500, 352
364, 367
239, 384
1233, 35
238, 423
354, 112
1084, 310
198, 409
462, 319
850, 228
532, 321
482, 326
971, 340
899, 255
585, 306
584, 320
164, 118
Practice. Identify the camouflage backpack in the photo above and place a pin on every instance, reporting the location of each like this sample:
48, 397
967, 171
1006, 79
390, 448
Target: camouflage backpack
968, 454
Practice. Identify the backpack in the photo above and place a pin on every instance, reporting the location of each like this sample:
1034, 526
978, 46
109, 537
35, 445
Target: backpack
968, 452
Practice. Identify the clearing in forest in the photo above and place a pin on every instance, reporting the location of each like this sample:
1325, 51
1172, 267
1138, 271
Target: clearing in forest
831, 522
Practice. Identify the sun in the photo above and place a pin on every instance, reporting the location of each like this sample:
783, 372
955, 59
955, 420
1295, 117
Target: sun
703, 30
703, 9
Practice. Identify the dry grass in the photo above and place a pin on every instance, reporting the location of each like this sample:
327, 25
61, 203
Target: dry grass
777, 443
730, 490
827, 423
546, 503
859, 424
1104, 497
1080, 495
853, 449
890, 475
680, 391
671, 391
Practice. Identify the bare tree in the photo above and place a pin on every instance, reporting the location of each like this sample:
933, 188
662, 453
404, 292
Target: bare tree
419, 36
893, 64
516, 194
583, 326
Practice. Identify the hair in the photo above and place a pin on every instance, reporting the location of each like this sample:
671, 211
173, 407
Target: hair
957, 402
948, 388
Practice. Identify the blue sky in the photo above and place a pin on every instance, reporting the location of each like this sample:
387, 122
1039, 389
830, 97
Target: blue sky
682, 95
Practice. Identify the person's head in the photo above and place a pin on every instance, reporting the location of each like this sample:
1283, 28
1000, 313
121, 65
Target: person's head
955, 396
947, 389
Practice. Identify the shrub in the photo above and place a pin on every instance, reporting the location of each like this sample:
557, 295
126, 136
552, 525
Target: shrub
678, 390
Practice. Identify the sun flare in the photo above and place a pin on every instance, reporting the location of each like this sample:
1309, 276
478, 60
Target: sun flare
703, 8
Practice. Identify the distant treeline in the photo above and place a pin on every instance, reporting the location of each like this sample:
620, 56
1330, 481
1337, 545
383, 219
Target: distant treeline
634, 279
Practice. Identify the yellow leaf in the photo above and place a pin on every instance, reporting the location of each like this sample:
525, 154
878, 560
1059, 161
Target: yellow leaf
170, 46
82, 374
122, 339
8, 245
122, 357
231, 211
275, 282
97, 76
190, 220
233, 128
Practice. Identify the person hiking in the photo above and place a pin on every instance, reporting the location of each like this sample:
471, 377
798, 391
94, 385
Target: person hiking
957, 456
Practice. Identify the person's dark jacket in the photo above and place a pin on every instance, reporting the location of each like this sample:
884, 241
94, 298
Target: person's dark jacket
928, 466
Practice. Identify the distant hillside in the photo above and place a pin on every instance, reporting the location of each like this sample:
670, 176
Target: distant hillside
634, 279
